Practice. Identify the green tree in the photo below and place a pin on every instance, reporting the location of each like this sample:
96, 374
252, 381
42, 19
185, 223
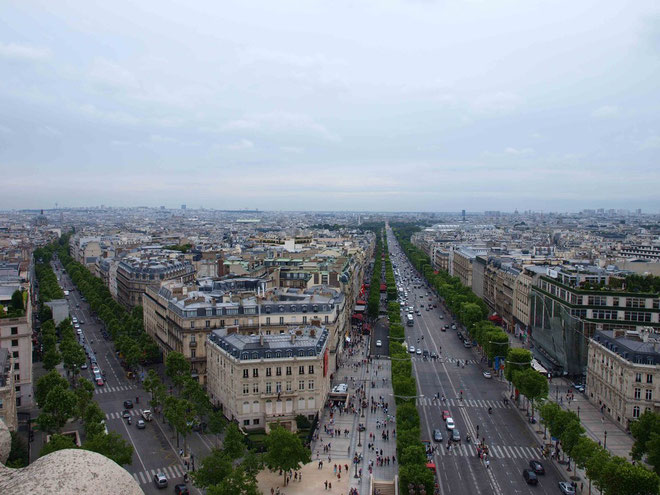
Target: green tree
237, 482
233, 444
112, 445
46, 383
177, 368
84, 393
533, 385
217, 424
285, 451
596, 466
18, 455
622, 478
60, 405
496, 343
16, 303
416, 474
93, 417
58, 442
180, 414
73, 356
214, 468
517, 360
51, 358
646, 432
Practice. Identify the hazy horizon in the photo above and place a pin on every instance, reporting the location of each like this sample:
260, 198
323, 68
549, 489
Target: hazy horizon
392, 106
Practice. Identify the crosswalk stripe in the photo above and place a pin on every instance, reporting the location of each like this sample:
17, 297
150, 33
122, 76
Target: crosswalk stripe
143, 477
136, 477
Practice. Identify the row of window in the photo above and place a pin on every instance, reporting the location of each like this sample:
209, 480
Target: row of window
278, 371
207, 323
648, 394
638, 378
278, 387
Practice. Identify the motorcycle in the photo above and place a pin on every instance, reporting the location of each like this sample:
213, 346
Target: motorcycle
490, 410
129, 420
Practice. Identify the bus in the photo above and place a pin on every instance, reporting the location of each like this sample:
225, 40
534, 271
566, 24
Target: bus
409, 320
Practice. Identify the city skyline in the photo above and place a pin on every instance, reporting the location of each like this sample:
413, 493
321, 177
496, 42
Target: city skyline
376, 106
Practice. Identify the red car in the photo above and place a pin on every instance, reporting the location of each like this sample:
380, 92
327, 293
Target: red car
445, 415
99, 382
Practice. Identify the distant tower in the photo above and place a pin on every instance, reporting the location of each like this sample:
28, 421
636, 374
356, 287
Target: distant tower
463, 214
183, 207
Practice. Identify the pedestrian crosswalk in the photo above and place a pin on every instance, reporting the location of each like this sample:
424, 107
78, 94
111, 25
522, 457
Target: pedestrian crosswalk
440, 404
144, 477
494, 451
118, 415
444, 360
118, 388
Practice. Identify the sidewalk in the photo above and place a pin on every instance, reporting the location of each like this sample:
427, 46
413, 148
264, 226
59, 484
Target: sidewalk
368, 383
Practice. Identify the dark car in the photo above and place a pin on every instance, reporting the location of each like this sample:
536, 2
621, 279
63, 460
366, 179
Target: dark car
126, 414
437, 435
181, 489
537, 466
128, 404
455, 435
530, 477
460, 335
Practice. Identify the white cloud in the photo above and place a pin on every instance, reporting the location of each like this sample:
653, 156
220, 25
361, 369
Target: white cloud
48, 131
117, 118
605, 111
518, 151
496, 103
107, 74
281, 123
18, 51
292, 149
651, 142
243, 144
5, 131
259, 55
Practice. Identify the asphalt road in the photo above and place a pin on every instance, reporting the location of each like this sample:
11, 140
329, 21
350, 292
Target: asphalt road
155, 447
510, 442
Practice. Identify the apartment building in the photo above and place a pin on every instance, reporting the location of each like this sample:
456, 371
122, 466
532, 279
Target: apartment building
260, 380
565, 314
461, 260
180, 316
623, 373
16, 338
7, 391
135, 275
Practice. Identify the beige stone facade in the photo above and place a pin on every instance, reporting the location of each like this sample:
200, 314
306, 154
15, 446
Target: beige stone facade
623, 374
135, 275
259, 380
7, 391
16, 337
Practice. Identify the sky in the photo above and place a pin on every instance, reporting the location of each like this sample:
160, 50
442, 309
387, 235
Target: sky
376, 105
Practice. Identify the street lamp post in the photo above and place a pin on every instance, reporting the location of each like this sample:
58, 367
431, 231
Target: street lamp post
355, 461
605, 442
359, 437
578, 412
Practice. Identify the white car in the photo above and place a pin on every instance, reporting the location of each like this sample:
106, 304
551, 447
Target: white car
412, 349
487, 374
450, 424
379, 343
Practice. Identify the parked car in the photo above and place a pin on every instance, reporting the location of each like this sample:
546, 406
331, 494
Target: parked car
579, 387
160, 480
537, 466
566, 488
181, 489
530, 476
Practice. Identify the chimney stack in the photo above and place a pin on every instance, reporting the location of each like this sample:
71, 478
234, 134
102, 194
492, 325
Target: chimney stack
261, 339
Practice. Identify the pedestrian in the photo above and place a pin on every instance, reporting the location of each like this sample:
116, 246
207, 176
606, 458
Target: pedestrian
487, 464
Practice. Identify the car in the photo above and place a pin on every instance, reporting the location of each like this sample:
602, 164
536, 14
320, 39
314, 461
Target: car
342, 388
453, 326
467, 344
460, 335
99, 382
442, 317
455, 435
379, 343
74, 319
566, 488
433, 355
128, 404
141, 424
419, 352
450, 423
82, 322
76, 326
79, 331
447, 327
579, 387
412, 349
530, 476
83, 366
77, 305
536, 466
487, 374
437, 435
126, 414
160, 480
95, 368
181, 489
446, 414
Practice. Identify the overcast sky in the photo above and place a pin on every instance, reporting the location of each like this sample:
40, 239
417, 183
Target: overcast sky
331, 105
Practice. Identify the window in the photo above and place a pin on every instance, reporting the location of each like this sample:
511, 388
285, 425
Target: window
615, 301
193, 353
649, 394
255, 372
269, 389
14, 343
268, 320
192, 324
301, 370
278, 387
301, 384
278, 370
208, 323
246, 422
288, 371
635, 302
255, 388
288, 386
15, 354
304, 319
310, 384
255, 421
268, 371
638, 377
16, 365
326, 318
246, 373
281, 320
311, 370
14, 330
649, 378
636, 412
638, 393
236, 321
246, 388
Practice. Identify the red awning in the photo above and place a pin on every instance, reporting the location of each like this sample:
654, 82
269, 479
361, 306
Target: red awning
431, 466
360, 301
358, 316
383, 287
